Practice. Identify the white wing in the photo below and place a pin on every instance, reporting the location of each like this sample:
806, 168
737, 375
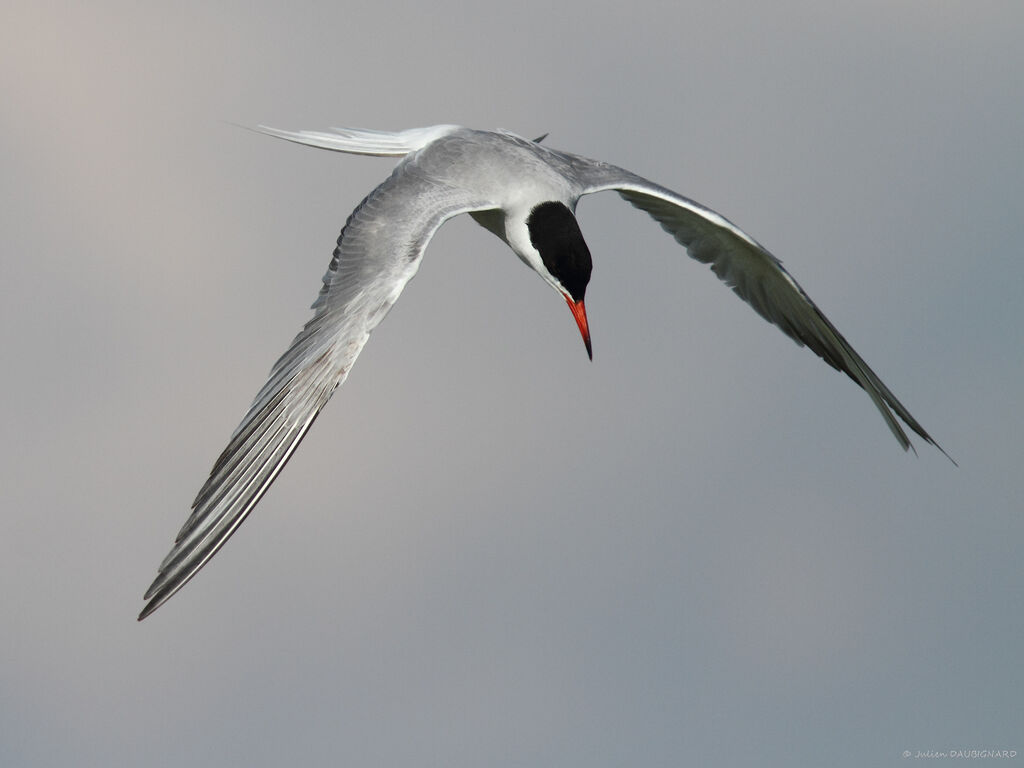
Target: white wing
378, 252
753, 273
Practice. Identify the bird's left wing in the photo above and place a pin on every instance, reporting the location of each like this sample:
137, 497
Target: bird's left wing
378, 252
753, 273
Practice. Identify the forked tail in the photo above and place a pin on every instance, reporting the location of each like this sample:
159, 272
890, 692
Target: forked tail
360, 141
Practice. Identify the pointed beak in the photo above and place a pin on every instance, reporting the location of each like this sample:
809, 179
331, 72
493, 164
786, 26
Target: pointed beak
580, 313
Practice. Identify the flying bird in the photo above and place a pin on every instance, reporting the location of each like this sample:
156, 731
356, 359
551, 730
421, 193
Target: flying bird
526, 194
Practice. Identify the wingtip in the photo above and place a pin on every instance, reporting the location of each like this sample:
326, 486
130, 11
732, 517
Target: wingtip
911, 447
151, 605
156, 598
943, 452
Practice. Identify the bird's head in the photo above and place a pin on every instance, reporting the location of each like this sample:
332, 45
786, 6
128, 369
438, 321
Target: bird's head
561, 257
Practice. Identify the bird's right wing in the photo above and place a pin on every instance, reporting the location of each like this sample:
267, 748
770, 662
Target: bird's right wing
378, 252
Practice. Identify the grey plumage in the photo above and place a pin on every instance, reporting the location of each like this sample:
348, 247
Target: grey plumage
498, 178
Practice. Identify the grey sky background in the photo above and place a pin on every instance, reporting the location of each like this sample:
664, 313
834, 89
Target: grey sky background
702, 548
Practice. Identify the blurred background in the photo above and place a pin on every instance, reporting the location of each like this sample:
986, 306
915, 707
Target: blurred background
705, 547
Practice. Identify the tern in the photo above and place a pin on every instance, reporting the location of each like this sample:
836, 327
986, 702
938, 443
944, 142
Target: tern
526, 194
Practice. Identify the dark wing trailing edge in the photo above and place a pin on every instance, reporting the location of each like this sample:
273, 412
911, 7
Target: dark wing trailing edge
376, 256
755, 276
